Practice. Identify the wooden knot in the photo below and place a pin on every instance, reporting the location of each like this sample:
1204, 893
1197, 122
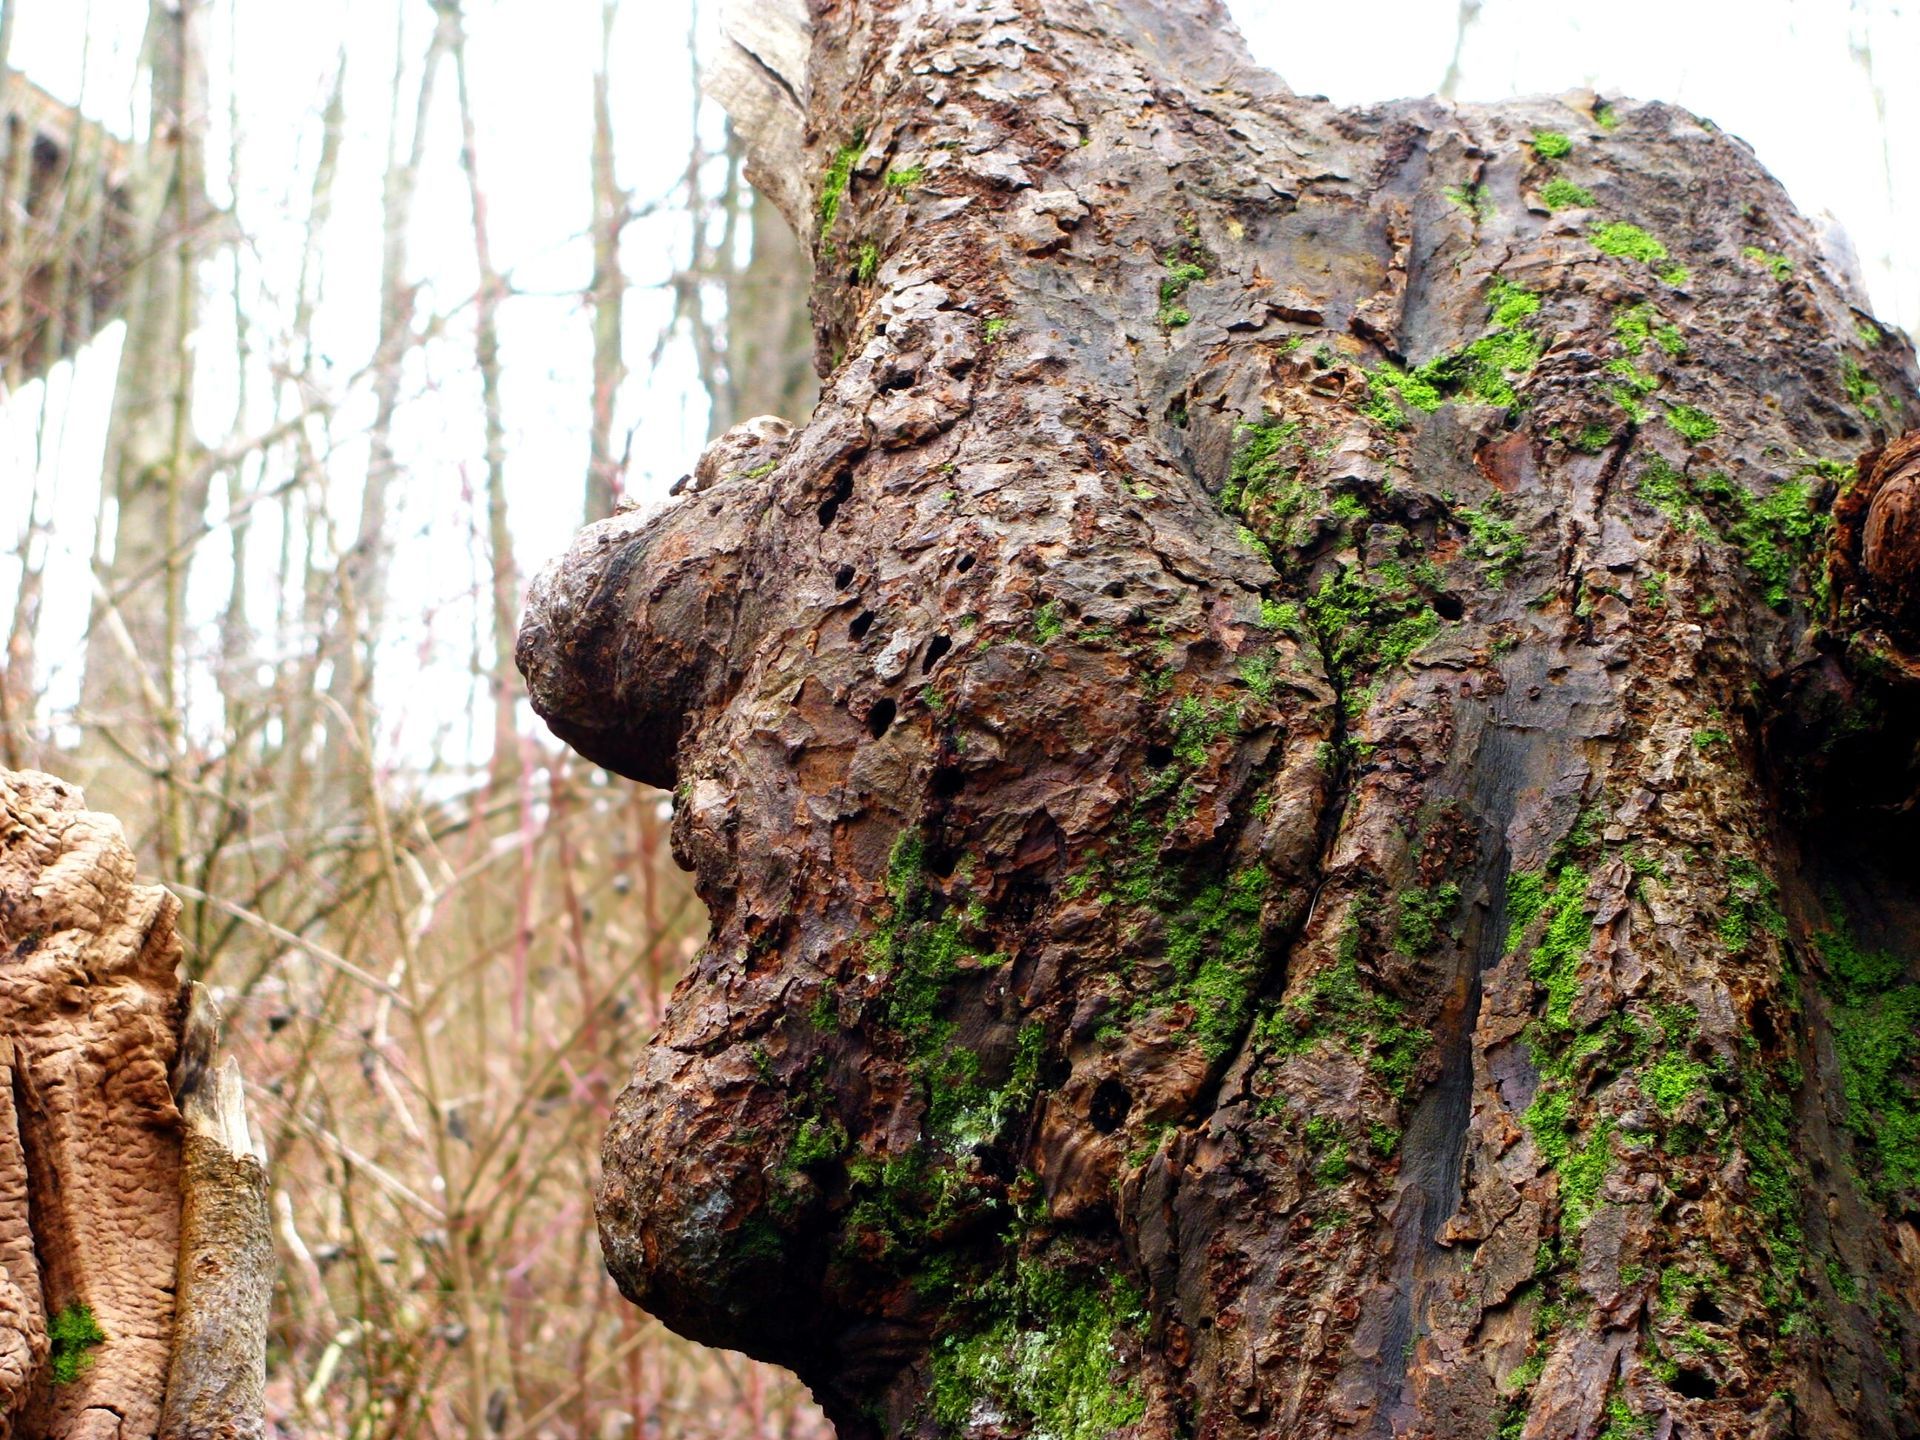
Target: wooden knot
1890, 538
1874, 562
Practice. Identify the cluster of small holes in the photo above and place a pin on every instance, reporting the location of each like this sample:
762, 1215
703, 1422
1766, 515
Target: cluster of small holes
830, 507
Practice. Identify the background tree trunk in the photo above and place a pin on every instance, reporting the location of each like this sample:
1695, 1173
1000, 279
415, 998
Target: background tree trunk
158, 491
1305, 810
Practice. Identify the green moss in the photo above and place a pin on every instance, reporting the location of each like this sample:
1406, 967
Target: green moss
1778, 535
1349, 507
923, 948
1551, 145
1332, 1152
1605, 118
868, 263
964, 1112
1864, 392
906, 177
824, 1014
1181, 274
816, 1142
1422, 913
1671, 1081
1508, 304
1196, 724
1780, 266
1389, 387
1494, 541
1213, 944
1692, 425
1481, 371
1752, 903
1282, 615
1592, 439
1048, 622
1340, 1006
1635, 325
1623, 1424
1259, 463
1581, 1168
1484, 370
1876, 1037
1556, 957
1842, 1280
996, 327
1560, 193
1627, 242
1043, 1355
1471, 198
1869, 333
72, 1334
1362, 626
1258, 673
833, 189
1674, 275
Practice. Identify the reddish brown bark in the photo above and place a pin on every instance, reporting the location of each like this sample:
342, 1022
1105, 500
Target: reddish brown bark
1278, 771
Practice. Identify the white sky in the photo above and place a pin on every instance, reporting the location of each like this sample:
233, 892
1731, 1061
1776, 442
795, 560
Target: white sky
1792, 77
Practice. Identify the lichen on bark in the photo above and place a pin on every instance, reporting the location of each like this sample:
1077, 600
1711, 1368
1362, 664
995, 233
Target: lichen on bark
1269, 768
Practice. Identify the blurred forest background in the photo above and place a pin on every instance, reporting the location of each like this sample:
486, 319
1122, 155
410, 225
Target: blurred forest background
323, 327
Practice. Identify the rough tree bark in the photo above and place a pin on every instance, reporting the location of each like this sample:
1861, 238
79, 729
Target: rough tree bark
1305, 775
135, 1259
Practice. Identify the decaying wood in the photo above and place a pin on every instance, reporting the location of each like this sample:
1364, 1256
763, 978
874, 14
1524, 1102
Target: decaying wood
760, 76
1302, 773
217, 1374
98, 1214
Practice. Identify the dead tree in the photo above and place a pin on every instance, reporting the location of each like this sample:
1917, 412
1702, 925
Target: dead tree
136, 1262
1305, 774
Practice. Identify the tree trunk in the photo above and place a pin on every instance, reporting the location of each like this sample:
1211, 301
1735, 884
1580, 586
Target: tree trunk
1306, 798
118, 1190
769, 338
131, 687
612, 208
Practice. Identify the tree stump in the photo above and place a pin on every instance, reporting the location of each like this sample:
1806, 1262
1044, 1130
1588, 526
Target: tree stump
1298, 836
93, 1246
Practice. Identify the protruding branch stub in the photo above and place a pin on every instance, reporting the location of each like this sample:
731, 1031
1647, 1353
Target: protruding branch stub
641, 625
1875, 559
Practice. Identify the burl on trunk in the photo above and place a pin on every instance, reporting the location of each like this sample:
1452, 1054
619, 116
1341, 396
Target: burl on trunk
1304, 773
135, 1256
